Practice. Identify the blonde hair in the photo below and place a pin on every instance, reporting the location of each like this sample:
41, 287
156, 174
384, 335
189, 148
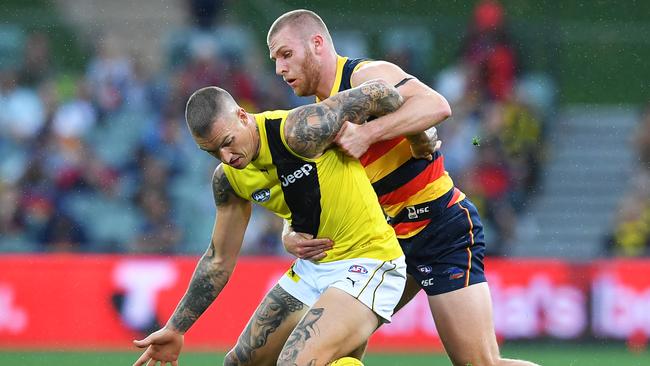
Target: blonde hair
302, 20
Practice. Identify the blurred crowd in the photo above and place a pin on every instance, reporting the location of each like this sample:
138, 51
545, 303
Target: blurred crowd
631, 232
102, 161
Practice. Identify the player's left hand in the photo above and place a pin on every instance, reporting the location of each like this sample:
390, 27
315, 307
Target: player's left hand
352, 140
305, 246
424, 148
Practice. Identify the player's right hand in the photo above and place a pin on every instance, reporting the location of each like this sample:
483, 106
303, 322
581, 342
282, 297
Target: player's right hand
352, 139
304, 246
424, 148
163, 346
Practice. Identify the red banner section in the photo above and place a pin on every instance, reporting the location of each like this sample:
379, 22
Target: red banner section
69, 301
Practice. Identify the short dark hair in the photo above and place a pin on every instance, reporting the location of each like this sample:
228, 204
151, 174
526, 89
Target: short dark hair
298, 18
203, 108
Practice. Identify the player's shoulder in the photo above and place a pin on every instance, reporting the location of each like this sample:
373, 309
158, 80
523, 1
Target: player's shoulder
219, 172
377, 69
223, 185
373, 65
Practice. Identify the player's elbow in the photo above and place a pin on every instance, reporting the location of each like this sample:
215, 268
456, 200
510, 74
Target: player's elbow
445, 110
442, 109
217, 261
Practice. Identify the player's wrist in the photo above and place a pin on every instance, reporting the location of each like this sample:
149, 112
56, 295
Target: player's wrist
371, 131
174, 329
418, 139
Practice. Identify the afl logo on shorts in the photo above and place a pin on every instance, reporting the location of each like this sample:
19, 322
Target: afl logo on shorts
425, 269
355, 268
261, 195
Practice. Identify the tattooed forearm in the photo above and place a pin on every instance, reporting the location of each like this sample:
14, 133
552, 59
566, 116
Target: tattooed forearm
272, 312
383, 99
299, 337
207, 282
312, 128
221, 188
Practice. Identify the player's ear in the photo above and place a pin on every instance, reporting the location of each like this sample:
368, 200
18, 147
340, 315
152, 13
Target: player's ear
318, 42
241, 115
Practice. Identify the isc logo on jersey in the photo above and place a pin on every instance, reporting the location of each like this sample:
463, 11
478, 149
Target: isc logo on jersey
299, 173
415, 212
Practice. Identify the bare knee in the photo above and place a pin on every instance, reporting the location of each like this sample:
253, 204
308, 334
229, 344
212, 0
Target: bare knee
359, 352
239, 357
231, 359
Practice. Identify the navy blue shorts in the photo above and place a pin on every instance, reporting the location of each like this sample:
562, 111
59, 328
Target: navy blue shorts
448, 254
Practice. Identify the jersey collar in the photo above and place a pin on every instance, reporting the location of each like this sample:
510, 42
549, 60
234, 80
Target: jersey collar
340, 62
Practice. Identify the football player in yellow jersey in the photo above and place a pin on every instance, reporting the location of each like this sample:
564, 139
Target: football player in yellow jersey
318, 312
439, 229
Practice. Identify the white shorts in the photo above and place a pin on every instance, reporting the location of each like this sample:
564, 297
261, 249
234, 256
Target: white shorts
377, 284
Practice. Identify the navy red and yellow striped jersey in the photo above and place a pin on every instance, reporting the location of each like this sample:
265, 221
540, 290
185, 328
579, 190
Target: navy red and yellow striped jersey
402, 183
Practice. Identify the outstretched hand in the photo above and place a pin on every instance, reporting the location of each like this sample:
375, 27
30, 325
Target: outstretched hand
162, 346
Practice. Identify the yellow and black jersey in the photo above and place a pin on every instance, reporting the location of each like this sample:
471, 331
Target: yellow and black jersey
406, 187
328, 197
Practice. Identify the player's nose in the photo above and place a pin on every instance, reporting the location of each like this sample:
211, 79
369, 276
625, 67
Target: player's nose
280, 68
225, 155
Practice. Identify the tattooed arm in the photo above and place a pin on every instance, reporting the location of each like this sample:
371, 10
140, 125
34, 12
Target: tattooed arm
210, 276
310, 129
217, 263
423, 108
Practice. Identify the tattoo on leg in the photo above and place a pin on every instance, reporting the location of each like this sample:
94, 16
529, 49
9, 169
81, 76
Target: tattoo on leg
275, 308
303, 332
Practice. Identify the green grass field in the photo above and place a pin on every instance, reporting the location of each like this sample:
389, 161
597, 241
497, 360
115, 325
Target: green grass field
547, 355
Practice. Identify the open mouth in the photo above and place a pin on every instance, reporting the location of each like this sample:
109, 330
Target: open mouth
234, 161
291, 82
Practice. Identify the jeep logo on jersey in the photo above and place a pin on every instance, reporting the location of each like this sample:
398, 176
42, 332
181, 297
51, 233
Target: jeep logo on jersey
355, 268
261, 195
299, 173
414, 213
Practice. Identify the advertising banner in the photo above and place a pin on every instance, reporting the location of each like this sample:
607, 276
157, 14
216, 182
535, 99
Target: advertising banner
105, 301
